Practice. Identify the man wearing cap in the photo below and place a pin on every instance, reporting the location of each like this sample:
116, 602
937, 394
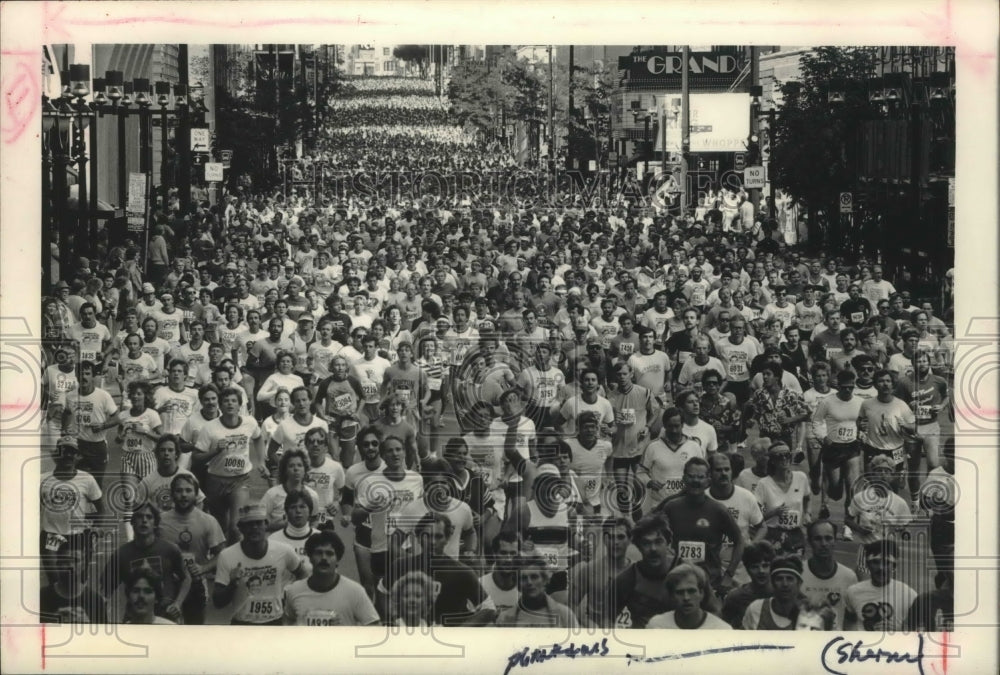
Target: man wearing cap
69, 499
880, 603
780, 611
251, 575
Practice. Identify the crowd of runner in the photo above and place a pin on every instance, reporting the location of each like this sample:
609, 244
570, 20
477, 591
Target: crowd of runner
491, 415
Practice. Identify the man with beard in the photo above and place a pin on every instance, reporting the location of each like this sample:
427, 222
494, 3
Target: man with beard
638, 593
199, 538
149, 550
880, 603
326, 597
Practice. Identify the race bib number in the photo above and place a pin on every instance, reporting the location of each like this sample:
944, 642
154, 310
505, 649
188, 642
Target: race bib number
624, 619
133, 443
64, 384
898, 456
737, 366
691, 551
546, 395
626, 348
234, 464
434, 383
319, 617
343, 403
628, 416
550, 556
857, 317
263, 610
671, 486
846, 434
924, 413
590, 487
370, 392
833, 352
53, 541
682, 357
789, 519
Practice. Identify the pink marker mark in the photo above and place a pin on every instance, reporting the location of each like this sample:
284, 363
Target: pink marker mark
43, 645
944, 652
21, 96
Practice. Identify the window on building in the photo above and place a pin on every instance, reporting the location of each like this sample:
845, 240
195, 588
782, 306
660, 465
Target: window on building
385, 51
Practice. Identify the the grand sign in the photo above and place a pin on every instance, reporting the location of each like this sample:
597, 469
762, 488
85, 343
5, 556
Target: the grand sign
664, 67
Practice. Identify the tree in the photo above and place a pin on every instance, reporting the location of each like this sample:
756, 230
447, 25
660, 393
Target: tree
413, 54
813, 146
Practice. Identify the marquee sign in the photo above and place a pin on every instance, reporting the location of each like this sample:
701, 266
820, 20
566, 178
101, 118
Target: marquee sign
665, 67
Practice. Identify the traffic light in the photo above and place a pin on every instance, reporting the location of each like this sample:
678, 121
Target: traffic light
753, 149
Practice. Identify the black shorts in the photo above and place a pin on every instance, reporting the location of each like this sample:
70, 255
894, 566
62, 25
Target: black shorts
836, 455
363, 536
379, 560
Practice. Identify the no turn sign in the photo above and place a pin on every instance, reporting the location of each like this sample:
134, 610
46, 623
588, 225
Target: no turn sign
846, 202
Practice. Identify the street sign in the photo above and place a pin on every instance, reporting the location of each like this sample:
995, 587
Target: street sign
227, 158
753, 177
740, 161
846, 202
214, 171
200, 140
135, 202
612, 156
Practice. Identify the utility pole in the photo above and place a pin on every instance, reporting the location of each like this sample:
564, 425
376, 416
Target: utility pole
552, 129
685, 127
572, 118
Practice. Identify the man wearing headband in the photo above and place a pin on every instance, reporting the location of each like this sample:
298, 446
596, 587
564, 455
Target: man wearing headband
882, 602
778, 612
